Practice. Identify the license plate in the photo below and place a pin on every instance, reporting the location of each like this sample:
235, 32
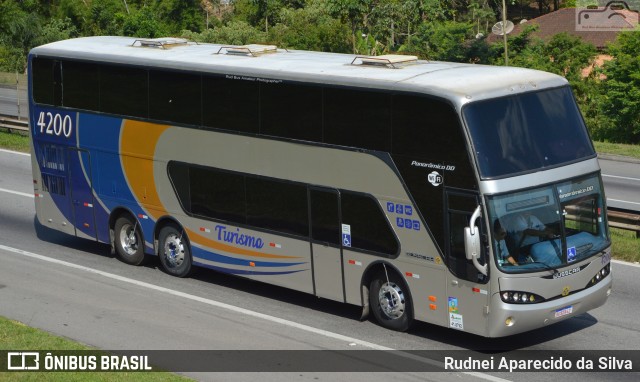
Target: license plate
564, 311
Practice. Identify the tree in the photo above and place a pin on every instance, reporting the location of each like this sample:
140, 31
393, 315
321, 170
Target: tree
234, 33
563, 54
266, 9
350, 11
178, 15
105, 18
310, 28
143, 23
621, 90
76, 11
393, 21
22, 34
441, 41
56, 30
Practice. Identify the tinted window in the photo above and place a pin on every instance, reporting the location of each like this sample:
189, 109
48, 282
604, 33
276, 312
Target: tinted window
426, 128
124, 91
217, 194
291, 111
230, 104
325, 216
460, 209
174, 97
370, 229
179, 176
277, 206
527, 132
357, 118
81, 87
42, 72
241, 199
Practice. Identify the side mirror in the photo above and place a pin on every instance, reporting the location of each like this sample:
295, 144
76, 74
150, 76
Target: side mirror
472, 245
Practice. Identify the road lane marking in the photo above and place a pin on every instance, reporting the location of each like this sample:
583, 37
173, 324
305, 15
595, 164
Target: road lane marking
622, 201
237, 309
17, 193
626, 263
621, 177
14, 152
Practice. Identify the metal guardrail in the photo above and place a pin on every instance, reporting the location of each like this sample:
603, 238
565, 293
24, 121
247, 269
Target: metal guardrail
13, 124
624, 219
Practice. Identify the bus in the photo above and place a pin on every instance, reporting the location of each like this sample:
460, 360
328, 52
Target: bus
465, 196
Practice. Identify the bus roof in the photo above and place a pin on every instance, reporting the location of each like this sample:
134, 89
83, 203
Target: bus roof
460, 83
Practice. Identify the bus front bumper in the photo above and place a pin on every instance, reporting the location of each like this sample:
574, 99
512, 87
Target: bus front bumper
509, 319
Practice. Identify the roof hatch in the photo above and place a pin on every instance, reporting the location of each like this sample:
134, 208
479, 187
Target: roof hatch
394, 61
162, 42
253, 50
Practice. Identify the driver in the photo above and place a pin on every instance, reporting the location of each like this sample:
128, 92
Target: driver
499, 235
525, 230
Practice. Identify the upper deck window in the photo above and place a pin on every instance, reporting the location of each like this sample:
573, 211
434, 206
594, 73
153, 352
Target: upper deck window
527, 132
124, 91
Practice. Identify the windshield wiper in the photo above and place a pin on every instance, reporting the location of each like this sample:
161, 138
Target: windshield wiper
546, 266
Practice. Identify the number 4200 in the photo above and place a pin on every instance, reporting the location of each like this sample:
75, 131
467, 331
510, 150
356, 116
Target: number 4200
55, 124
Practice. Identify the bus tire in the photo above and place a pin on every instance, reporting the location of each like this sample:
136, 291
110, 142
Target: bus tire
128, 241
390, 302
174, 252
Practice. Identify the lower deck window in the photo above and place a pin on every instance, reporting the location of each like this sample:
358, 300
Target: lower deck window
282, 206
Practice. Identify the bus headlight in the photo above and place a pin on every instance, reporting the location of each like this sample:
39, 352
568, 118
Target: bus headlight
600, 275
516, 297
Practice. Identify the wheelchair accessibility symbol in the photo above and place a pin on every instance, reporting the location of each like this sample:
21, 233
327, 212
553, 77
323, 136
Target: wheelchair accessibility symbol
346, 235
346, 240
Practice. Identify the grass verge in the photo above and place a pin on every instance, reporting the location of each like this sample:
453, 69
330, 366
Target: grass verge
15, 335
625, 245
14, 141
618, 149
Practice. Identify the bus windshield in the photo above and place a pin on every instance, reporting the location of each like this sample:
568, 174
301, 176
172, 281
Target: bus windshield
527, 132
548, 227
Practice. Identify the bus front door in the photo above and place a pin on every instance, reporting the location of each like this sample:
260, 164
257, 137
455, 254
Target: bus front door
325, 236
82, 201
467, 288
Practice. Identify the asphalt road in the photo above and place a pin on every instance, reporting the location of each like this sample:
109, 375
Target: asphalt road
9, 105
622, 183
74, 288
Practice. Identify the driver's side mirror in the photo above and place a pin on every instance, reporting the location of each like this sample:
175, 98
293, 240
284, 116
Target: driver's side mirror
472, 245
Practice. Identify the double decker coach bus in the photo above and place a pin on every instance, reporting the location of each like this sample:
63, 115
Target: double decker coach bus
465, 196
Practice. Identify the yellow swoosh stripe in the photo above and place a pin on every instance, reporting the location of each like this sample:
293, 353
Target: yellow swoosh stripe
138, 142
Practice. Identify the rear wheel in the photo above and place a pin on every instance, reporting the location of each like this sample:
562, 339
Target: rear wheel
390, 302
174, 252
128, 241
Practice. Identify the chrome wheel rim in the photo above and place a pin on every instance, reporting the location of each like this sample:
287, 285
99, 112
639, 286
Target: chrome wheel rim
392, 300
174, 251
128, 239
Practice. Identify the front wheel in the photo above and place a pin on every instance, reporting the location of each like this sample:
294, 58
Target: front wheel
128, 241
174, 252
390, 302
